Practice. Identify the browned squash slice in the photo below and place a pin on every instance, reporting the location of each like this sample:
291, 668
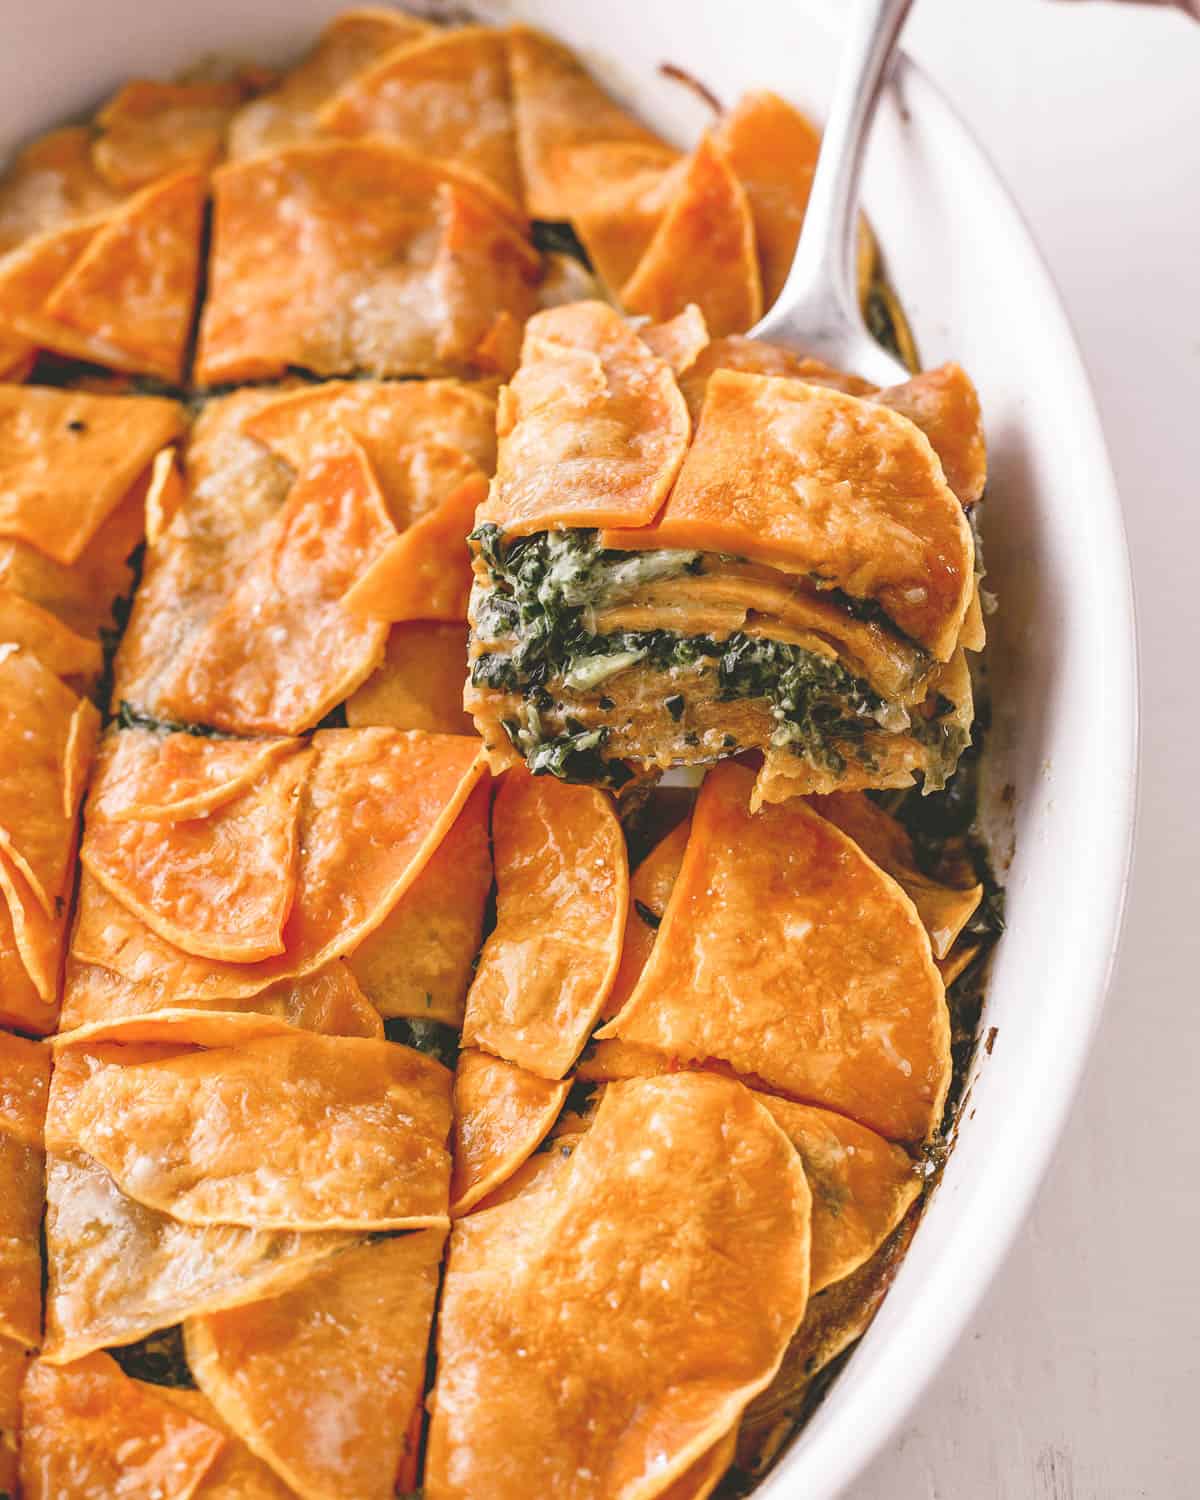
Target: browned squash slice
357, 1131
785, 952
149, 130
219, 885
349, 43
68, 458
24, 1083
60, 649
151, 777
650, 888
559, 107
15, 1359
619, 192
562, 895
47, 736
702, 252
377, 804
236, 1473
592, 428
570, 1356
118, 1270
680, 340
21, 1005
758, 358
291, 596
349, 1343
945, 406
419, 960
90, 1431
408, 429
812, 480
445, 95
862, 1186
425, 572
407, 266
773, 150
233, 487
944, 911
134, 285
501, 1116
99, 1005
51, 182
419, 683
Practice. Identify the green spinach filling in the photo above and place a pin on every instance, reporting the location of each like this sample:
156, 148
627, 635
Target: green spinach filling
544, 592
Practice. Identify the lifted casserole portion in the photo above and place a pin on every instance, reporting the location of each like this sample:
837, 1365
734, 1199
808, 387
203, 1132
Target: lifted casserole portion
788, 570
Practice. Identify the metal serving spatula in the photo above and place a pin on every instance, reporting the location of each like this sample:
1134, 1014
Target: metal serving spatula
817, 312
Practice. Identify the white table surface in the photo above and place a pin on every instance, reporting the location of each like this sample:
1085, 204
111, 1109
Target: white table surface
1080, 1377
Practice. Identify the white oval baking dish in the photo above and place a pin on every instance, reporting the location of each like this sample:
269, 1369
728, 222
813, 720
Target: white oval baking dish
1062, 651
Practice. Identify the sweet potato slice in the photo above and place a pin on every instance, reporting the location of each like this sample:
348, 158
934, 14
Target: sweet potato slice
350, 42
21, 1005
119, 1271
149, 130
90, 1431
65, 653
51, 182
619, 192
787, 953
945, 406
24, 1083
592, 428
650, 888
862, 1186
419, 683
220, 885
236, 1474
349, 1343
772, 148
570, 1356
484, 276
501, 1115
134, 286
38, 936
702, 251
40, 786
68, 458
559, 107
233, 488
380, 802
425, 572
411, 432
758, 358
15, 1359
943, 910
150, 777
100, 1006
418, 961
680, 340
943, 402
812, 480
358, 1133
17, 357
406, 266
377, 805
445, 95
562, 896
292, 594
